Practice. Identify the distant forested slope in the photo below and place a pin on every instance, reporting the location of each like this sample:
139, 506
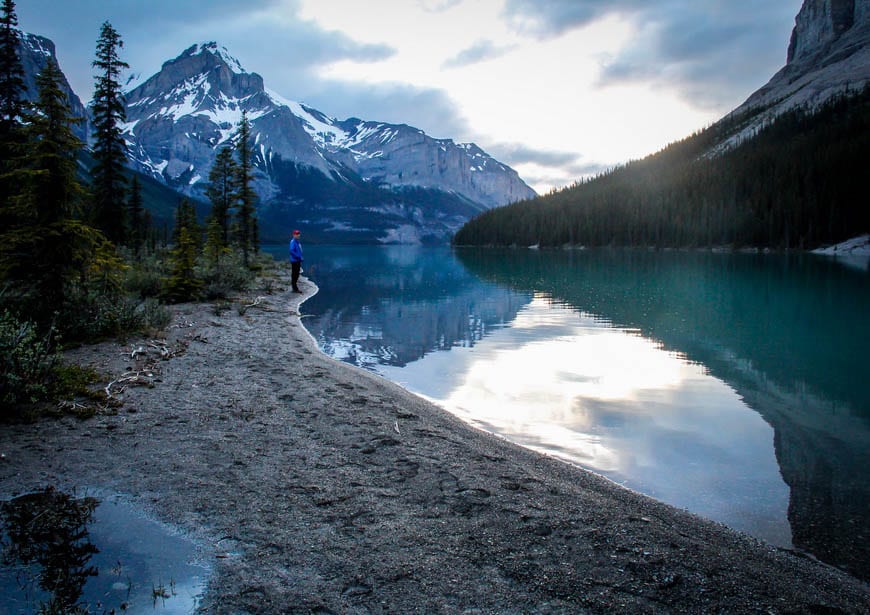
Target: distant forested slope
801, 182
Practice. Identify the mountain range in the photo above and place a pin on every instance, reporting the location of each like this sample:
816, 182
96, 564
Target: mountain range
358, 181
349, 181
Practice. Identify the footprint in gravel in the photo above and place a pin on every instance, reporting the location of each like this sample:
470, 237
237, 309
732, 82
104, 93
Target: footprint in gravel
448, 482
353, 591
377, 443
403, 469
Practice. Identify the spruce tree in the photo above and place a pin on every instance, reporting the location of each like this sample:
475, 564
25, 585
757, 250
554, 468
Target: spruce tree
110, 149
136, 215
182, 284
45, 248
245, 196
12, 108
221, 191
185, 218
214, 249
12, 86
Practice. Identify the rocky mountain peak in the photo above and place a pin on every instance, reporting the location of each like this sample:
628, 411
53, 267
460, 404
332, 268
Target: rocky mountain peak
822, 22
828, 56
207, 72
34, 52
414, 185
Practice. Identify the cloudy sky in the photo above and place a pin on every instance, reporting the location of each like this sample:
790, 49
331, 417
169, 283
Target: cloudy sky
558, 89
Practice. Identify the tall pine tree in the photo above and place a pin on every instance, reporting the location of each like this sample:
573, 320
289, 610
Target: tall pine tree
110, 150
182, 284
221, 191
46, 248
12, 86
11, 109
244, 194
136, 215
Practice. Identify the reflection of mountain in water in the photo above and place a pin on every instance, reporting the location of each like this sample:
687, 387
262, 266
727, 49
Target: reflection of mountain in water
788, 334
413, 302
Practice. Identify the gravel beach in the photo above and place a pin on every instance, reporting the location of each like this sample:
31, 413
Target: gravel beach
316, 487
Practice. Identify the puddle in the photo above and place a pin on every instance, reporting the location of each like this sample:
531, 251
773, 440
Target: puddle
66, 554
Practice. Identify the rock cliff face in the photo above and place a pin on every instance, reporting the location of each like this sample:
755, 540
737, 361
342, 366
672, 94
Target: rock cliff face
820, 22
34, 52
310, 168
829, 54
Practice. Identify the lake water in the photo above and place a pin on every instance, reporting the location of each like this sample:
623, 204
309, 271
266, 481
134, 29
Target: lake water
70, 553
731, 385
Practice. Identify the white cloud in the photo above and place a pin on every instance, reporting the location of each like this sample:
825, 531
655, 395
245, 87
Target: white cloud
581, 84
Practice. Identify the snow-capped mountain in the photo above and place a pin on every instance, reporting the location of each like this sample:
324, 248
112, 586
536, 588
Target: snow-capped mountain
349, 180
34, 52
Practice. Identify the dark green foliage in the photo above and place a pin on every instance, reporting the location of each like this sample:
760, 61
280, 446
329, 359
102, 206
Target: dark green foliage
245, 197
221, 191
11, 72
145, 279
93, 316
136, 214
229, 275
27, 358
796, 184
182, 283
110, 150
185, 217
43, 247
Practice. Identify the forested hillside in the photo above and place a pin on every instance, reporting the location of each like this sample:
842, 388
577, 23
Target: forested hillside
799, 183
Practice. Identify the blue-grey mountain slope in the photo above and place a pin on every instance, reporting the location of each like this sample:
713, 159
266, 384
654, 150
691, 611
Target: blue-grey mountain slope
345, 181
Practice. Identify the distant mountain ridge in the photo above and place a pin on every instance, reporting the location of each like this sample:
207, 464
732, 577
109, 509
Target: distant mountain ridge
350, 180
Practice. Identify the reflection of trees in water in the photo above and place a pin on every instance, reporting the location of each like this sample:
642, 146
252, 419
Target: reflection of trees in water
49, 530
784, 333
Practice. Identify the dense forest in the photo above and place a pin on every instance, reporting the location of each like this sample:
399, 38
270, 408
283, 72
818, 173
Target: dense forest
797, 184
81, 255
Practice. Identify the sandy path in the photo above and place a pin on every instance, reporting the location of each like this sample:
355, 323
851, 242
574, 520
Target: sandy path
315, 487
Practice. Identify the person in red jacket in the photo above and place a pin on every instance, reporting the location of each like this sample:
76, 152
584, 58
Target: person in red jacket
295, 260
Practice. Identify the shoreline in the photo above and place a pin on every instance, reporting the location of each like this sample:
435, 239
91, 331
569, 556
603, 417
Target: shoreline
315, 486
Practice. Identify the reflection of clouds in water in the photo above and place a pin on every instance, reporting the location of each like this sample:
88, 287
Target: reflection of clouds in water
572, 386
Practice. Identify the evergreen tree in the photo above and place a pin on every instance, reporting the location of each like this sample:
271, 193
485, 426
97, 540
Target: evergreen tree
12, 86
182, 284
12, 107
214, 249
136, 214
245, 196
221, 191
47, 247
110, 150
185, 218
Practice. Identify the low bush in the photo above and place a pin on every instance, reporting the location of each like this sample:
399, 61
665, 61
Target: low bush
228, 276
27, 362
91, 316
145, 277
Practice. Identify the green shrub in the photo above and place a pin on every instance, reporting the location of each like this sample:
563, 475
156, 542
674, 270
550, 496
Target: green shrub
145, 278
27, 361
93, 316
228, 276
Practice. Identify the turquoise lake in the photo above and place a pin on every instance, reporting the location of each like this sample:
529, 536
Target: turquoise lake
732, 385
